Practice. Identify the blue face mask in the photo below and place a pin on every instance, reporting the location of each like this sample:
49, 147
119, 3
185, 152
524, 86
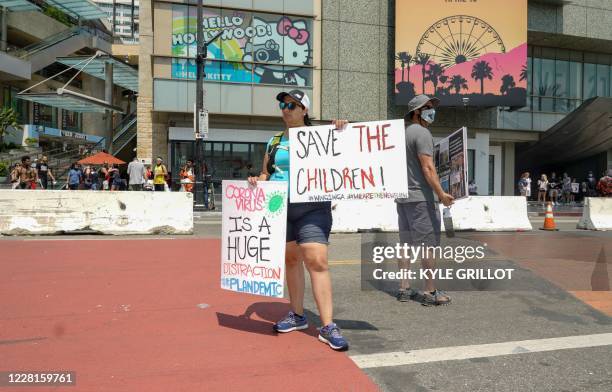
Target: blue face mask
428, 115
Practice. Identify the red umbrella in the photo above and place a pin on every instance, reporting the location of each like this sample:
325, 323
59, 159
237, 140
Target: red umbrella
100, 158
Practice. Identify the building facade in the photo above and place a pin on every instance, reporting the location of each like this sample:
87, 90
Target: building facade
341, 52
123, 15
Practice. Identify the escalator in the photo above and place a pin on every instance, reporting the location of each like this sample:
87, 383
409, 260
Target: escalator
43, 53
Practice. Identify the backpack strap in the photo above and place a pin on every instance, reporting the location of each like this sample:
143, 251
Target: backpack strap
276, 139
272, 148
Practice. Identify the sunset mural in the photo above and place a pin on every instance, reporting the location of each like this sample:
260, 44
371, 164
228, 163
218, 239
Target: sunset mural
474, 49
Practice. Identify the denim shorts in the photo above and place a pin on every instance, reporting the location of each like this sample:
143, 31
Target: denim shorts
419, 223
309, 222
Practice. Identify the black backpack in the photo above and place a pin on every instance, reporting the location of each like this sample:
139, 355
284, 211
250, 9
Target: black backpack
272, 148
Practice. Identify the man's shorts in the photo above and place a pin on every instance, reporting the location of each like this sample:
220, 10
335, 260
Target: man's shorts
309, 222
419, 223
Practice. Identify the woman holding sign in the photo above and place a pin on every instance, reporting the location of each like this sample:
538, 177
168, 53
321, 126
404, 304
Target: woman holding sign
308, 228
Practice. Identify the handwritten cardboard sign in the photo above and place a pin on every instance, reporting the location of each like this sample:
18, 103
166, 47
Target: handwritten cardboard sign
253, 237
363, 161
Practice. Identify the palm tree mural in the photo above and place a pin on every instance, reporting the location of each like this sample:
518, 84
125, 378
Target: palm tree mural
443, 79
423, 61
481, 71
405, 59
458, 83
507, 84
434, 73
523, 73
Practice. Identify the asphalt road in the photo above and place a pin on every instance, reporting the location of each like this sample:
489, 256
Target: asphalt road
556, 341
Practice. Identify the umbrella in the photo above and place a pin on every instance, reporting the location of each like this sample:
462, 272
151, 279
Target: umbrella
100, 158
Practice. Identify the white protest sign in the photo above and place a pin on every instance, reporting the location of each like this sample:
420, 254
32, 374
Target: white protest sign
253, 237
363, 161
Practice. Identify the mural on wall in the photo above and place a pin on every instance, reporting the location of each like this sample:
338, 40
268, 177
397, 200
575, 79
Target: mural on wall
472, 52
253, 47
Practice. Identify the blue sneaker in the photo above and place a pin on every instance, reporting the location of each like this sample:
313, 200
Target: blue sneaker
291, 322
331, 335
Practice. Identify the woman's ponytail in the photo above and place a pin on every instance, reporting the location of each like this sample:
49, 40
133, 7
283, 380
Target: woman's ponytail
307, 121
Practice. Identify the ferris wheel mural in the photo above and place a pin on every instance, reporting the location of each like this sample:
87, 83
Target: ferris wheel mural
458, 39
465, 53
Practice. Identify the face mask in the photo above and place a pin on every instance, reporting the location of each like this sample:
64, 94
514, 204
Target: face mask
428, 115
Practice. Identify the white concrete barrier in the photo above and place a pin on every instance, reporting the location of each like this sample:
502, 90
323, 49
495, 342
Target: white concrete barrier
490, 213
55, 212
479, 213
596, 214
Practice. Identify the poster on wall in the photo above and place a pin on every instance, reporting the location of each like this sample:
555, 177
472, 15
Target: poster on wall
471, 52
253, 238
358, 163
450, 158
253, 47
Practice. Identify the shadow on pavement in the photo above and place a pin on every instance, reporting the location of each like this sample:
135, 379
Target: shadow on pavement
271, 312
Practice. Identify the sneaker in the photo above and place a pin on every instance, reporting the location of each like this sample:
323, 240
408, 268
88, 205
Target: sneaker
291, 322
408, 295
331, 335
435, 298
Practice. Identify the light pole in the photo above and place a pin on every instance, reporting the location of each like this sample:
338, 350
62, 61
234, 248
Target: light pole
200, 114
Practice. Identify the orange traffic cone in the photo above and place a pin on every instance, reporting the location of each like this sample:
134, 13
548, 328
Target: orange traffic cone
549, 219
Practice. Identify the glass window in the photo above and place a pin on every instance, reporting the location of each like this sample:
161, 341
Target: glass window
562, 78
575, 80
590, 81
44, 115
603, 80
71, 121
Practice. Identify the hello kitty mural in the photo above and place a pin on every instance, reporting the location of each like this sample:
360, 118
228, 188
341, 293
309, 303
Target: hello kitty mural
253, 48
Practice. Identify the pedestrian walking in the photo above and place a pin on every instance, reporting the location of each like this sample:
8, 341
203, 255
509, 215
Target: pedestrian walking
44, 173
308, 229
566, 188
74, 177
27, 174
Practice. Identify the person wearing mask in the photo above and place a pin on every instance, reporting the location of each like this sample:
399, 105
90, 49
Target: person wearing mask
136, 174
542, 188
44, 172
419, 215
74, 177
308, 230
160, 173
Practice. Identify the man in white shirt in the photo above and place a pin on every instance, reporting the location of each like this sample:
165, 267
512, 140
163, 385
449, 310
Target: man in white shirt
136, 172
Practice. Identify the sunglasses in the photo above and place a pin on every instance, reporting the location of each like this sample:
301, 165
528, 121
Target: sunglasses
287, 105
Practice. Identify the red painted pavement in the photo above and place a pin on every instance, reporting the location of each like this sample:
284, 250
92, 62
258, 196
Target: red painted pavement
123, 314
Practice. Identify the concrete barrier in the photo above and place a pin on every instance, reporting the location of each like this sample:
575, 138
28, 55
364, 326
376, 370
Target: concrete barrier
55, 212
596, 214
490, 213
479, 213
